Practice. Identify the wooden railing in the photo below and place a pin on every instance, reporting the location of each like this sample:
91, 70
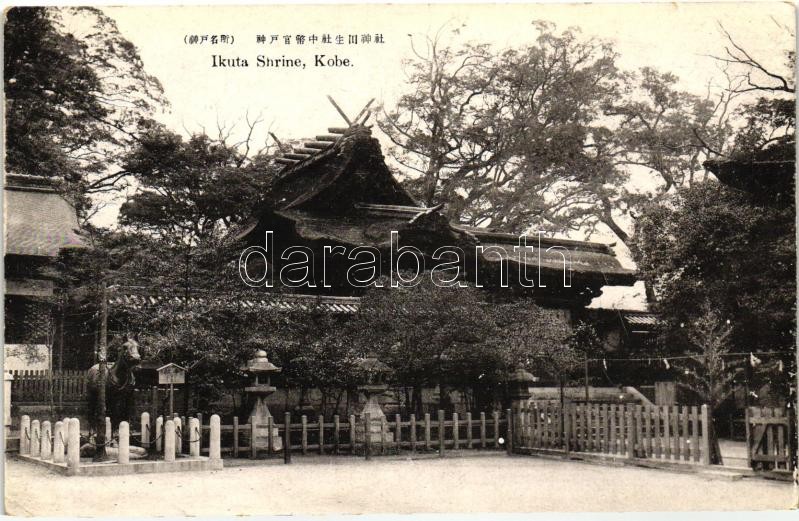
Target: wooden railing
45, 387
673, 433
346, 435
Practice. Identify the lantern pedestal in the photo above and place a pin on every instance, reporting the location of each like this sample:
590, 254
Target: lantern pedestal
376, 415
260, 415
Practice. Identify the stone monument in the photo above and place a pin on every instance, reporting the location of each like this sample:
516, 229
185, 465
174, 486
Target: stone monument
260, 366
374, 375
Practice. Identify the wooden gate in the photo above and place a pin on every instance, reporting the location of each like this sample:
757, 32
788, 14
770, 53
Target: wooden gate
769, 437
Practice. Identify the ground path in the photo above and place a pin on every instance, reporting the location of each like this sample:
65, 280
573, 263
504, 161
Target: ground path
326, 485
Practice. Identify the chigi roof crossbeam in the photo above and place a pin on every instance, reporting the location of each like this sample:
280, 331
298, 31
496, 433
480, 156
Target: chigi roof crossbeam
323, 143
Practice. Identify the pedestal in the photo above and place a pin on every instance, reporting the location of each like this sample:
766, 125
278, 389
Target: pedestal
260, 414
376, 415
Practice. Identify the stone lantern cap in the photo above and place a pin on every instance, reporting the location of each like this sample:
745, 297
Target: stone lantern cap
260, 364
521, 376
373, 370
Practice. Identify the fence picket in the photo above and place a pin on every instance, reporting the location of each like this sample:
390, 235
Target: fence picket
495, 415
304, 439
235, 436
666, 432
695, 433
427, 443
336, 434
482, 430
684, 416
675, 432
321, 434
413, 432
455, 433
469, 440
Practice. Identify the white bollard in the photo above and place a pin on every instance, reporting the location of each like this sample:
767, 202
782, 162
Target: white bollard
36, 439
47, 448
73, 447
215, 449
169, 440
159, 433
194, 437
25, 435
145, 430
108, 432
178, 435
124, 443
58, 442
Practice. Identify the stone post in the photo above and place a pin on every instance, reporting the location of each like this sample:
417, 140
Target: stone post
194, 437
108, 431
178, 435
58, 442
7, 379
36, 439
124, 443
159, 433
169, 440
215, 449
145, 430
47, 448
73, 447
25, 435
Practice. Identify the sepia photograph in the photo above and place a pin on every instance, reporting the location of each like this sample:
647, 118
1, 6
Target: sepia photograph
348, 259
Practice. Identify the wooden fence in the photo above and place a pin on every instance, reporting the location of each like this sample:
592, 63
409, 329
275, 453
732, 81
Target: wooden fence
674, 433
769, 438
346, 436
42, 386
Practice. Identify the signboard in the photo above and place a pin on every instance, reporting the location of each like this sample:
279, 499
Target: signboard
171, 374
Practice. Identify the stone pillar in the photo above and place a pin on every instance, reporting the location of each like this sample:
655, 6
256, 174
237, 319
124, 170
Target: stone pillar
159, 433
178, 435
108, 431
25, 435
36, 439
47, 451
124, 443
145, 430
58, 442
7, 379
215, 449
73, 447
169, 440
194, 437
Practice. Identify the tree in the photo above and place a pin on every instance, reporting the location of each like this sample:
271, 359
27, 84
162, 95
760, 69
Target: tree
710, 375
495, 135
73, 103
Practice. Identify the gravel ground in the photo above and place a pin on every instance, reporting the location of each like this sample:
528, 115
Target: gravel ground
324, 485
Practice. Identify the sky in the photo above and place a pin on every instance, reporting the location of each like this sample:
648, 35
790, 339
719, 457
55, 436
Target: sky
292, 102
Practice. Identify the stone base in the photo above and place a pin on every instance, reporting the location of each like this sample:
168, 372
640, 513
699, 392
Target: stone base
374, 434
112, 468
262, 439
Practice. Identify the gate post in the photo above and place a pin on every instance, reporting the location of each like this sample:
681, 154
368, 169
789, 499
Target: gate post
706, 436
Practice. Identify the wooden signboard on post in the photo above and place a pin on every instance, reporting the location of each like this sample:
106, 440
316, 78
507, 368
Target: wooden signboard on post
172, 375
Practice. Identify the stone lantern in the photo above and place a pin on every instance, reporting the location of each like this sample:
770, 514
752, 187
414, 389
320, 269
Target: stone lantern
261, 369
519, 383
373, 375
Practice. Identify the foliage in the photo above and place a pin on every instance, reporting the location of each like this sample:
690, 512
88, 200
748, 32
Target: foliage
73, 102
189, 191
